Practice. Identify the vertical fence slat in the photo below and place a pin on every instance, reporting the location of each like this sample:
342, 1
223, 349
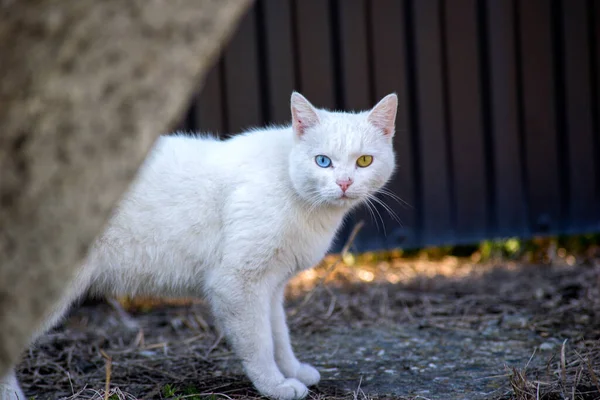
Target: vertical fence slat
436, 196
390, 74
354, 94
280, 58
582, 210
354, 55
594, 9
209, 104
466, 125
242, 77
539, 115
315, 52
511, 208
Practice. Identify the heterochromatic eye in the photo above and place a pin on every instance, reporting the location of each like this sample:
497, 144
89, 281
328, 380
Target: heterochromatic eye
364, 161
323, 161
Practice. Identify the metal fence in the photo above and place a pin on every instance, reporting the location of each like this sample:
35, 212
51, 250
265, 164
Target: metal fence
498, 122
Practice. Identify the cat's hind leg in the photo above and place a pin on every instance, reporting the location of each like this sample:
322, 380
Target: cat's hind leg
242, 308
9, 387
284, 354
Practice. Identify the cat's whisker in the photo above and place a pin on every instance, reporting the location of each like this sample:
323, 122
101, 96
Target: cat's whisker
393, 214
395, 197
315, 202
371, 205
368, 207
389, 210
315, 206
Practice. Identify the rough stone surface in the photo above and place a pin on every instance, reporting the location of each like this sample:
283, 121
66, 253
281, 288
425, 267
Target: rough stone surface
86, 88
412, 361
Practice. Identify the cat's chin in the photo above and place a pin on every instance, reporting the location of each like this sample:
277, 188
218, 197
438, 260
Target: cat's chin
344, 202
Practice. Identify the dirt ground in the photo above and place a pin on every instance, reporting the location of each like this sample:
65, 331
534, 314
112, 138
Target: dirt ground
378, 329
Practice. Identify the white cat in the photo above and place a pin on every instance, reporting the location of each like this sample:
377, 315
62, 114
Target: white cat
234, 220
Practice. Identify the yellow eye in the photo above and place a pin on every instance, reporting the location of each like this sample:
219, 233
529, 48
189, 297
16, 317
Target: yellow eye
364, 161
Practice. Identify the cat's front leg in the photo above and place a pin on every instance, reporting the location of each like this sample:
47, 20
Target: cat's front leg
243, 311
284, 354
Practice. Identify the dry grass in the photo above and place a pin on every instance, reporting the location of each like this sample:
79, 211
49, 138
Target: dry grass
570, 375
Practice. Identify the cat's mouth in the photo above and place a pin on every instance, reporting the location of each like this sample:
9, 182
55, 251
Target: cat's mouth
344, 201
345, 197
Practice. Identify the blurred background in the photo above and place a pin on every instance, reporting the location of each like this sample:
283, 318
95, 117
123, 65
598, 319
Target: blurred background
497, 128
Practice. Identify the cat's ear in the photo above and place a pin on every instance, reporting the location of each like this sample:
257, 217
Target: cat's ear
383, 115
304, 115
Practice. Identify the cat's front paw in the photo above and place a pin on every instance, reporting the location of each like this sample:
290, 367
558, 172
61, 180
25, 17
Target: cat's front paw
308, 374
289, 389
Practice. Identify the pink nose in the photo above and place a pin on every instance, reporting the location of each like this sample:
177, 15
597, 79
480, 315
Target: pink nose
344, 184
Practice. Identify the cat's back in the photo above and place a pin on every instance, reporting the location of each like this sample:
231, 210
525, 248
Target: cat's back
188, 182
177, 190
259, 155
179, 168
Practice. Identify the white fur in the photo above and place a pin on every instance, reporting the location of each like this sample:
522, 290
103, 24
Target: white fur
233, 220
9, 388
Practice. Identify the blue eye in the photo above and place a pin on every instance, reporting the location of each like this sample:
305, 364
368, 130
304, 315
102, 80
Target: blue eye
323, 161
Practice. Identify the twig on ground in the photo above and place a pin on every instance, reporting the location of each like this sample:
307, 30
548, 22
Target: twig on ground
214, 345
563, 364
108, 370
593, 376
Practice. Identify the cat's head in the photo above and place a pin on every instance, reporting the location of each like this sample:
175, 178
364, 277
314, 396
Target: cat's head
341, 158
